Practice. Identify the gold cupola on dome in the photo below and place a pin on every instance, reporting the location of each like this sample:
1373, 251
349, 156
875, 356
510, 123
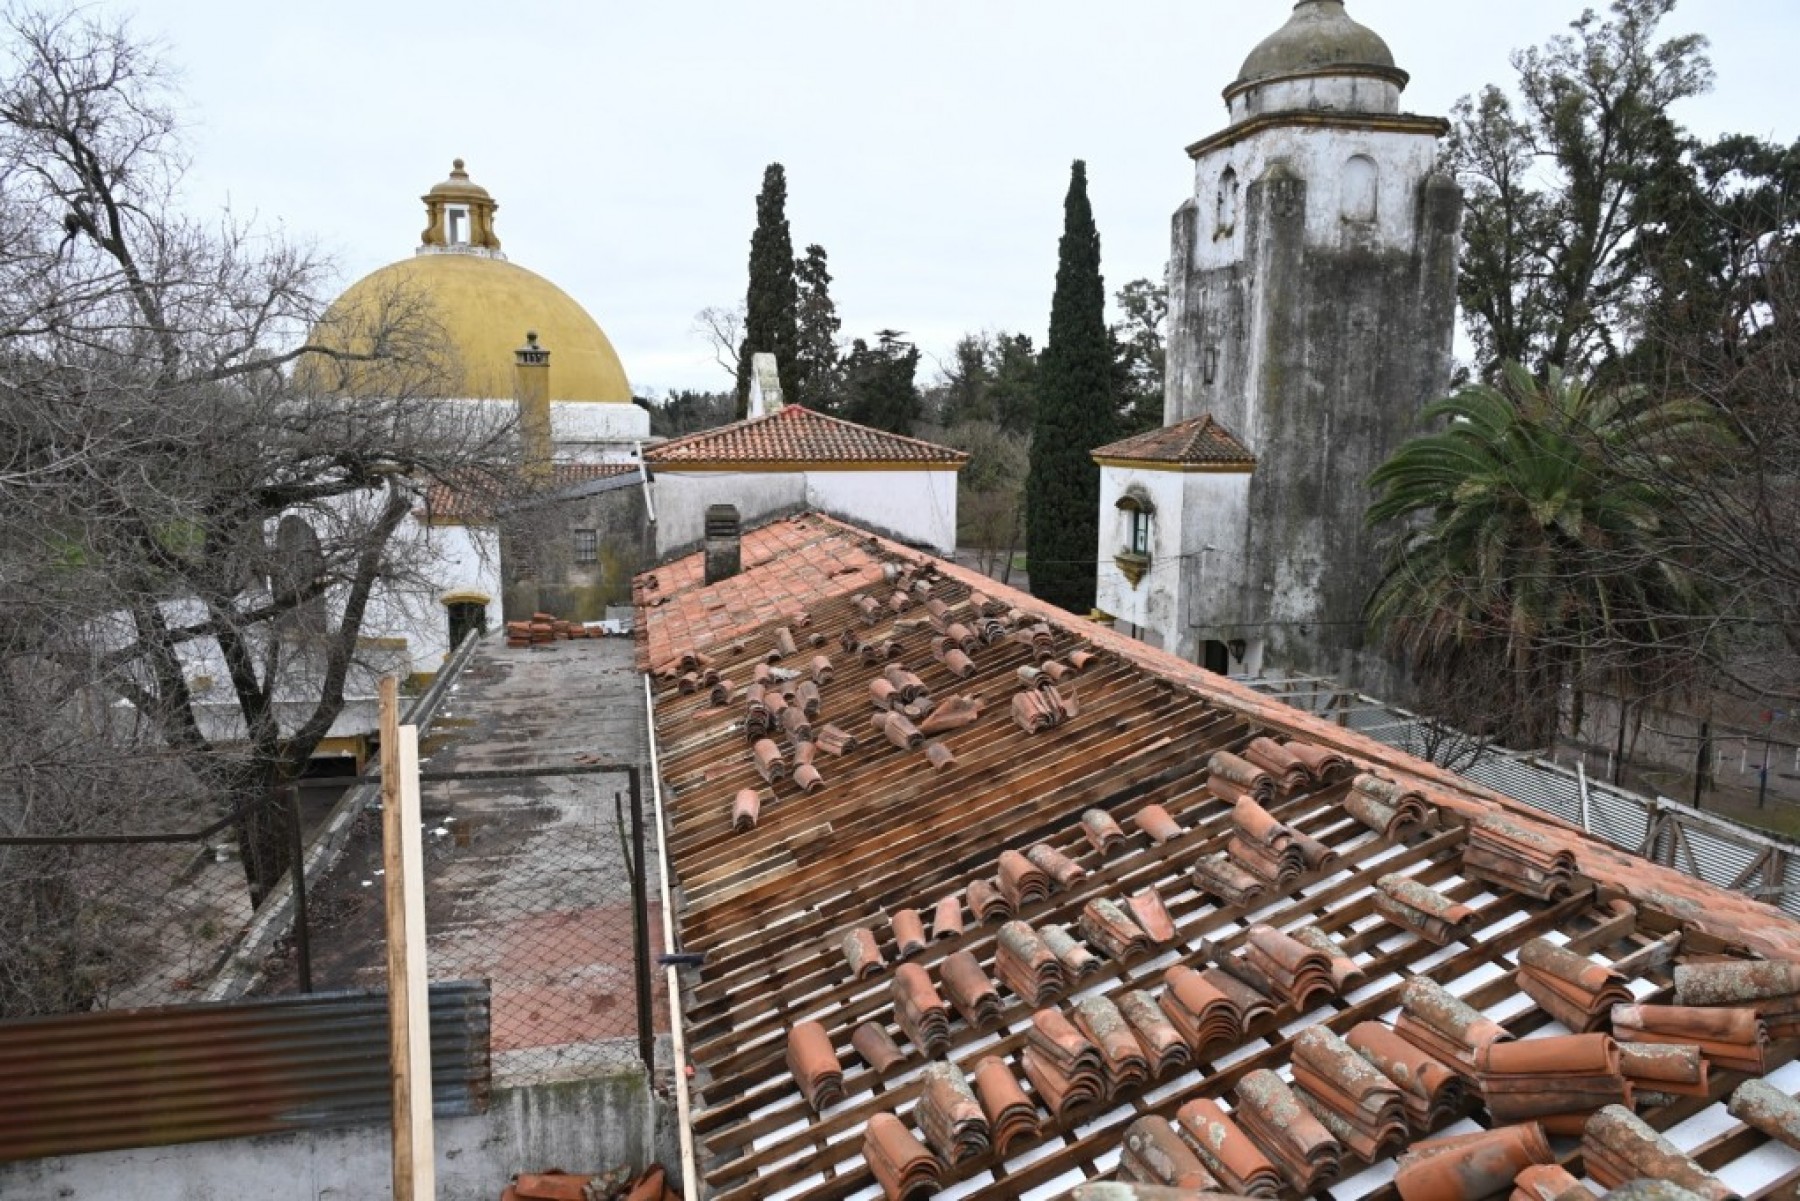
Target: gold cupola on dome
459, 289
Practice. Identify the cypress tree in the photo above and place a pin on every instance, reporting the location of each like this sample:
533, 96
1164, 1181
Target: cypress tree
770, 320
1075, 415
818, 373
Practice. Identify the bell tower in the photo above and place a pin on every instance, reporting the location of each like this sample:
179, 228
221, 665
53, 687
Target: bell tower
1312, 299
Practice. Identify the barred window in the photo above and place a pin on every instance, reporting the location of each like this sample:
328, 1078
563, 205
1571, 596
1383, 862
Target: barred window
587, 546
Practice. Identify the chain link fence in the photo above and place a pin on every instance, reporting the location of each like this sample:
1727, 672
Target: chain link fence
535, 881
116, 921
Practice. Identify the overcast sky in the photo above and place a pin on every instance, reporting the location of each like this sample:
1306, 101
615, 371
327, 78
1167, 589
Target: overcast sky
927, 143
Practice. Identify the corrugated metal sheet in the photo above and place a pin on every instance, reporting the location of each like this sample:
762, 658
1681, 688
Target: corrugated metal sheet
179, 1074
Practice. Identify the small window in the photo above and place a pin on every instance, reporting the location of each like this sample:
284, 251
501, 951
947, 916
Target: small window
1140, 532
1362, 187
1226, 207
587, 546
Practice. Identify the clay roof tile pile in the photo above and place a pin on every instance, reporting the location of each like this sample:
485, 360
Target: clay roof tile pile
1205, 1015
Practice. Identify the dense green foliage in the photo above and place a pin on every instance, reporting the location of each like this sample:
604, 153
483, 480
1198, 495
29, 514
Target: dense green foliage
1139, 354
771, 321
1602, 241
991, 379
1553, 182
879, 389
818, 374
686, 412
1533, 552
1075, 415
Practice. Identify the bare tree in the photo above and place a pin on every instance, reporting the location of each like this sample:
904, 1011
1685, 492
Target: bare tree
723, 330
191, 490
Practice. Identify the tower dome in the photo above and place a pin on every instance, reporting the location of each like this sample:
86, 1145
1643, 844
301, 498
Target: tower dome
465, 290
1320, 60
1320, 37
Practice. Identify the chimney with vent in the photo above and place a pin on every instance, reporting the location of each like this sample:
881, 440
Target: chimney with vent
724, 543
531, 384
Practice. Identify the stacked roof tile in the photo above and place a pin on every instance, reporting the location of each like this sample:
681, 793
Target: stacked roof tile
1198, 961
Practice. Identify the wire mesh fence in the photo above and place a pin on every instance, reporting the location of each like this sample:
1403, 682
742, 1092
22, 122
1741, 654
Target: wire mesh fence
114, 922
536, 885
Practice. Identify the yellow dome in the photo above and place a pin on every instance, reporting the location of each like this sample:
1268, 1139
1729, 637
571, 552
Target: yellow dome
467, 310
484, 307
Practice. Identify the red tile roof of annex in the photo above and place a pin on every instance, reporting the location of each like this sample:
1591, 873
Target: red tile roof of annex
469, 499
797, 436
1199, 442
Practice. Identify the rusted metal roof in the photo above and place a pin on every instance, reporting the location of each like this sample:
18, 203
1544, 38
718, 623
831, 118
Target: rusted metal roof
473, 497
1192, 862
189, 1073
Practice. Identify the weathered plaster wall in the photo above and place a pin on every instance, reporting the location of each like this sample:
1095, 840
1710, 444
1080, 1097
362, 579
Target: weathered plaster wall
541, 567
1316, 93
586, 1126
1216, 564
917, 507
1323, 292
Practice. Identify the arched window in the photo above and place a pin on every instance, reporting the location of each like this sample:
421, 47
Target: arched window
1135, 512
1227, 210
1362, 183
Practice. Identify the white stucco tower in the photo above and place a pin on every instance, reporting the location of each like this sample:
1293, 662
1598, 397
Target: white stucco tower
1311, 308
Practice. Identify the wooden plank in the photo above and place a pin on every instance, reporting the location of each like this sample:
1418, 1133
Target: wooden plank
409, 1013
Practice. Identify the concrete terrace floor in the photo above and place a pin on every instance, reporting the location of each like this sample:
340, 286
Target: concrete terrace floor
527, 883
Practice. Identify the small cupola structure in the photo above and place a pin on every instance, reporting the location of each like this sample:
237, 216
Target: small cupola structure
1321, 60
459, 217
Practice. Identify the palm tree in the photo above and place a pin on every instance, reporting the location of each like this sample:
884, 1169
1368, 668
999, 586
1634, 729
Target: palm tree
1533, 551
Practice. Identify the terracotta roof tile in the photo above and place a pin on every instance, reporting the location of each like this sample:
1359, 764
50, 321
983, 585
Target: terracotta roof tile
1200, 442
469, 497
798, 436
1051, 836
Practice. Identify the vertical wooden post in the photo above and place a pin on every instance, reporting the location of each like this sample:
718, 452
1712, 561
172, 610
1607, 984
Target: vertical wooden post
409, 1012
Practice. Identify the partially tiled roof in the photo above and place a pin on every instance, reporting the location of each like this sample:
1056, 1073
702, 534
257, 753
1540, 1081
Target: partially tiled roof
471, 496
804, 901
795, 436
1197, 443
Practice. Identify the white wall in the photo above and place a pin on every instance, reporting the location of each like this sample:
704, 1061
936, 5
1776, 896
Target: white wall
583, 423
1155, 603
917, 506
682, 498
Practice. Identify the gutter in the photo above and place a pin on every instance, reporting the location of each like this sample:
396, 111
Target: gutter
690, 1186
